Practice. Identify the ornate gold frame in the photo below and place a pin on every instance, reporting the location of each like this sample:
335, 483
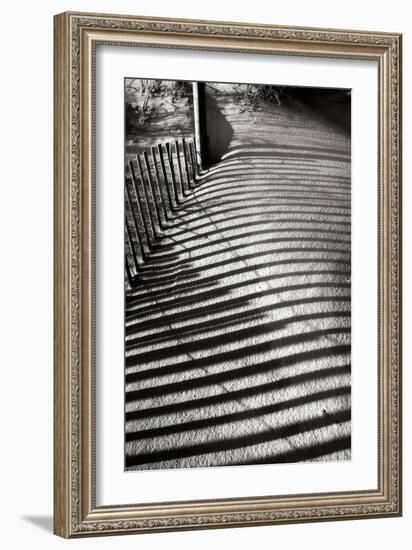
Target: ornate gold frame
75, 511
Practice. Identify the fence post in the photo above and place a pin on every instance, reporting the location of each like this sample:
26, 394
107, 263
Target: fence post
179, 168
131, 243
161, 187
148, 203
199, 116
186, 168
189, 164
136, 223
146, 168
194, 163
130, 277
165, 180
172, 172
141, 213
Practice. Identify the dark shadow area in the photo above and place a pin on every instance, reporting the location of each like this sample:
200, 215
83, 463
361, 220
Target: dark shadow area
189, 404
232, 374
202, 327
45, 523
279, 188
218, 131
236, 336
270, 152
331, 104
274, 211
238, 416
216, 293
196, 274
307, 453
241, 442
303, 204
199, 313
244, 235
213, 279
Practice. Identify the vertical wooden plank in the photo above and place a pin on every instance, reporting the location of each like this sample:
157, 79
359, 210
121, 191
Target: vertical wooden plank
146, 225
179, 169
199, 115
172, 207
148, 202
189, 164
172, 173
130, 278
131, 241
154, 190
161, 187
186, 168
144, 235
194, 164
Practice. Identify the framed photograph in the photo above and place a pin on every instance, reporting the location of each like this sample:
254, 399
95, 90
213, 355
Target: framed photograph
227, 274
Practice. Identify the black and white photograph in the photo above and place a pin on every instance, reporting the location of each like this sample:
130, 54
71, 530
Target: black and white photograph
237, 239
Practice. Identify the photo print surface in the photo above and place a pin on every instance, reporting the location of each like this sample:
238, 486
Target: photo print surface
237, 274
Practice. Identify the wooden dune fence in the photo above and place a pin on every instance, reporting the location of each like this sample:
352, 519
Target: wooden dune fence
158, 181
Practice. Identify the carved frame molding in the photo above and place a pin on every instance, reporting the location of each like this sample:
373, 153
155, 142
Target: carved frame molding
76, 36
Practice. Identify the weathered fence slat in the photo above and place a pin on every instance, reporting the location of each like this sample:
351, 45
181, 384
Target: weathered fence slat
154, 197
138, 230
132, 246
155, 192
130, 278
172, 174
179, 170
146, 224
148, 203
172, 207
162, 191
188, 163
186, 167
193, 158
